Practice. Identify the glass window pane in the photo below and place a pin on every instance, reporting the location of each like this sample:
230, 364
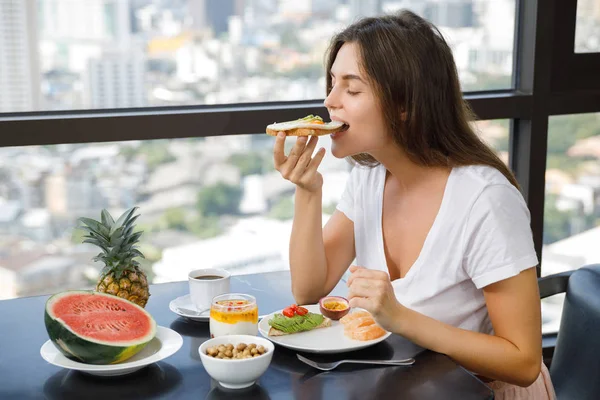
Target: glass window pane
89, 54
587, 28
572, 206
496, 134
198, 199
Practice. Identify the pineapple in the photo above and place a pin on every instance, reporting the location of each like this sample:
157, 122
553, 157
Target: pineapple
121, 275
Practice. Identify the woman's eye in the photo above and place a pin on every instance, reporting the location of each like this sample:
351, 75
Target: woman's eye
351, 93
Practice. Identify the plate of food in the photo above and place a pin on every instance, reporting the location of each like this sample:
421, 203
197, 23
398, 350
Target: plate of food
102, 334
165, 343
316, 329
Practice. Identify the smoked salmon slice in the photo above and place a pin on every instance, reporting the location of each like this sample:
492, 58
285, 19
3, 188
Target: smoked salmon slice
352, 316
368, 332
358, 323
361, 326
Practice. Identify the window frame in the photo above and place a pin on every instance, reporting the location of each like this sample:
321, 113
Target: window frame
549, 78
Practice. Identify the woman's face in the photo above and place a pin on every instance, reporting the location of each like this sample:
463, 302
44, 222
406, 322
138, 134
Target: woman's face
352, 100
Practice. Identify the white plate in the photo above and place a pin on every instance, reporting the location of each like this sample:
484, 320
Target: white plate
322, 340
165, 343
185, 302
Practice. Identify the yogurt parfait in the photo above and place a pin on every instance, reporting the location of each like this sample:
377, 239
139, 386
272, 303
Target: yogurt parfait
233, 314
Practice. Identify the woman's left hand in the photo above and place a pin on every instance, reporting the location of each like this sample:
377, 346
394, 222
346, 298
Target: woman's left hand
373, 291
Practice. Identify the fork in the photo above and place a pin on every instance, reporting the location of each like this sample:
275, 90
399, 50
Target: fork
328, 366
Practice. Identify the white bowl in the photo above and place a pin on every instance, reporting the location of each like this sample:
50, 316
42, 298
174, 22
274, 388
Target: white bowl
236, 374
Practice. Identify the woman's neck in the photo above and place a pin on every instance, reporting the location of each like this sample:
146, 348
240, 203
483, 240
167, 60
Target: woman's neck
405, 172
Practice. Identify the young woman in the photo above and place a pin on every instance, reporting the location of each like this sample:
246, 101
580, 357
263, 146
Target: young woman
434, 220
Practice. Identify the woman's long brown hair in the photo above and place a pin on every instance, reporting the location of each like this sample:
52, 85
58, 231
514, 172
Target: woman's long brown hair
412, 70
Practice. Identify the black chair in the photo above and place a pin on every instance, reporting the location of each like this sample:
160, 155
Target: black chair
575, 367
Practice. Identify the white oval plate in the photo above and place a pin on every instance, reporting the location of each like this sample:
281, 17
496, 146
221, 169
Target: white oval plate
322, 340
165, 343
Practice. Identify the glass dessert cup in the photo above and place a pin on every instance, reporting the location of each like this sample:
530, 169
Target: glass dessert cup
233, 314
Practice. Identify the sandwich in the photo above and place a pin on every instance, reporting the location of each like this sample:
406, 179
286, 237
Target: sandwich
298, 320
311, 125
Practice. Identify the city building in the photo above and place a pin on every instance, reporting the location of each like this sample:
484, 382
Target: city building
116, 80
213, 14
19, 56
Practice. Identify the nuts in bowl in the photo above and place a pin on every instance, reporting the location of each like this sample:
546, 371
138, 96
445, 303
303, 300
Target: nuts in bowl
236, 361
240, 351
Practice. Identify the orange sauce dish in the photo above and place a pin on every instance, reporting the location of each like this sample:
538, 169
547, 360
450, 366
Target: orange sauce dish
335, 305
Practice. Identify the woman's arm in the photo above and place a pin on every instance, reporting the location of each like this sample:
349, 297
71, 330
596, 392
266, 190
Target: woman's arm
318, 256
513, 354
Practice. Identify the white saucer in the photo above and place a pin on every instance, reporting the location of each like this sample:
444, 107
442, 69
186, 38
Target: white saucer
184, 302
165, 343
181, 303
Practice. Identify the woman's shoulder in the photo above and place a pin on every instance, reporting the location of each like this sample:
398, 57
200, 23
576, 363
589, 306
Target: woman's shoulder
486, 190
486, 187
480, 177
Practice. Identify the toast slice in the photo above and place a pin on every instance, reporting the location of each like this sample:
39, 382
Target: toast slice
304, 128
276, 332
303, 132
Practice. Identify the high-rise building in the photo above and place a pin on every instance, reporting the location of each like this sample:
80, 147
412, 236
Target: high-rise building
116, 80
451, 14
86, 20
365, 8
214, 14
20, 88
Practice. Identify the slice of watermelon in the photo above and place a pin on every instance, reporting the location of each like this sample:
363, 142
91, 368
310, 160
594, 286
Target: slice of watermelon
97, 328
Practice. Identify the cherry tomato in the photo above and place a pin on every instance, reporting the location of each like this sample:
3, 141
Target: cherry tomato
288, 312
301, 311
294, 307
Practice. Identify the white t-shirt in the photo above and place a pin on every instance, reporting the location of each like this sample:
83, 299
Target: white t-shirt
480, 235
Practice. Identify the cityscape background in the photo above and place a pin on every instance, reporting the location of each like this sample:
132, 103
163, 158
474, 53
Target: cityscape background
217, 201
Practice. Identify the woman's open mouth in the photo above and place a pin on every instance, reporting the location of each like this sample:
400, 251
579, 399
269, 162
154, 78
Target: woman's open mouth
342, 130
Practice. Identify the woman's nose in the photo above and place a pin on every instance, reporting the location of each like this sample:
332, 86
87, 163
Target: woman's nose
331, 101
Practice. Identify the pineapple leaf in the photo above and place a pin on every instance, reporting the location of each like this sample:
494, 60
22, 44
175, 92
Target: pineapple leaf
96, 243
105, 271
116, 240
95, 226
116, 234
134, 237
99, 238
128, 231
136, 253
130, 223
100, 257
107, 219
126, 216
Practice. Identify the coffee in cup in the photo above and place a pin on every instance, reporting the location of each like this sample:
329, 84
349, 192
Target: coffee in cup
207, 283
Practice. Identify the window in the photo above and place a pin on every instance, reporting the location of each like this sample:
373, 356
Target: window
197, 198
496, 134
587, 30
572, 209
209, 52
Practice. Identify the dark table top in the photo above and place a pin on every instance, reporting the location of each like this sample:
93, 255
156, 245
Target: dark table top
25, 375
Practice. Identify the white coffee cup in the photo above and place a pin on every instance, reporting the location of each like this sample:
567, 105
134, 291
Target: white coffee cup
204, 286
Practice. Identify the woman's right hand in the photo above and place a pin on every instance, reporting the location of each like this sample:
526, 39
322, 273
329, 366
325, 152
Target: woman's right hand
299, 167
